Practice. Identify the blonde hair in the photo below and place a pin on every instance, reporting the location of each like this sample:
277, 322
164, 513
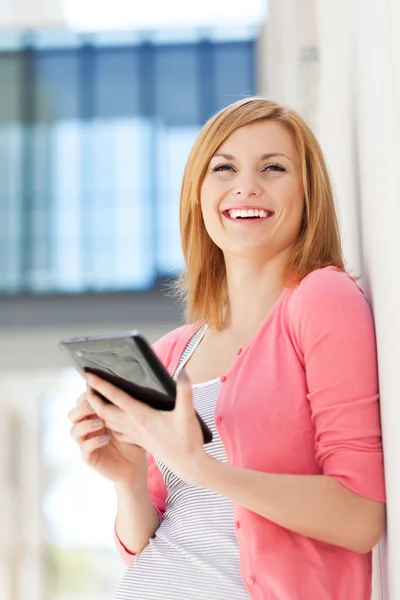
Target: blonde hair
202, 286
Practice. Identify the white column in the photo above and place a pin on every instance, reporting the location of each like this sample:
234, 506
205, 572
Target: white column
359, 126
281, 44
353, 105
8, 547
288, 56
378, 117
22, 483
336, 125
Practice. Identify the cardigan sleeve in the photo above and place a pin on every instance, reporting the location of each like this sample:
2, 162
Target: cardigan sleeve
334, 334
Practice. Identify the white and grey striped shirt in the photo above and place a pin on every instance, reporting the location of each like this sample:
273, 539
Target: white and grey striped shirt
194, 554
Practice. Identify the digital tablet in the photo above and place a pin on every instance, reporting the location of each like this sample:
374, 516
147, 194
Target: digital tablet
127, 361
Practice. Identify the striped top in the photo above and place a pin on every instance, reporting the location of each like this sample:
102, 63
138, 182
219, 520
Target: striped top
194, 553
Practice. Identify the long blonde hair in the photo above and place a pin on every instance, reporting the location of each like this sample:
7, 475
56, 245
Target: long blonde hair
202, 286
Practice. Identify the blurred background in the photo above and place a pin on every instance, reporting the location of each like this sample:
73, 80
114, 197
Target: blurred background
99, 106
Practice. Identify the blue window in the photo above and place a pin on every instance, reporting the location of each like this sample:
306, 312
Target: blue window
93, 143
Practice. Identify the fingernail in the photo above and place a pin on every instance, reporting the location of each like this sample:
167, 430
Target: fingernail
183, 376
96, 423
104, 438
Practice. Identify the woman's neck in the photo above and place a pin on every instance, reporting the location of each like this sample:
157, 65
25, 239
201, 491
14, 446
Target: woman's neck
252, 293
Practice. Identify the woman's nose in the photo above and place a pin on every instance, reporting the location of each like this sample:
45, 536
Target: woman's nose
247, 186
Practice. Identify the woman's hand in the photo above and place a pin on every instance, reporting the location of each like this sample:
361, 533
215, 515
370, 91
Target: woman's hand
115, 459
173, 437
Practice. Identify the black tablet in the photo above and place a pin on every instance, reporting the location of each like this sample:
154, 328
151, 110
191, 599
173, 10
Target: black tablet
128, 361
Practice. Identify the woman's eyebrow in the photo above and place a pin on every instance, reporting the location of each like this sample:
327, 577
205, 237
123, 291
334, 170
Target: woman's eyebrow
262, 157
272, 154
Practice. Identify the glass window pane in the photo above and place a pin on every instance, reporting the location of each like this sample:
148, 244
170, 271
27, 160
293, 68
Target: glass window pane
10, 79
56, 91
116, 82
234, 72
93, 143
177, 85
66, 221
11, 148
173, 147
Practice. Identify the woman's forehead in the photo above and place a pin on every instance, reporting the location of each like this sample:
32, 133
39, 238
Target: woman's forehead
259, 139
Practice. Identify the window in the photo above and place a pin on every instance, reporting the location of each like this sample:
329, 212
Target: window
93, 142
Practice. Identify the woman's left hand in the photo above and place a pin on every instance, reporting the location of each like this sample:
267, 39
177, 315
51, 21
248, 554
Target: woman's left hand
173, 437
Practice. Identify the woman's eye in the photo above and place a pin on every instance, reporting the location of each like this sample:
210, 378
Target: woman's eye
275, 168
219, 168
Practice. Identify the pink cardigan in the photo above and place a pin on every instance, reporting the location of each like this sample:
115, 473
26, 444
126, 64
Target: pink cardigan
302, 397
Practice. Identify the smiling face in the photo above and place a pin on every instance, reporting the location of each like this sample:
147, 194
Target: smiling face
252, 196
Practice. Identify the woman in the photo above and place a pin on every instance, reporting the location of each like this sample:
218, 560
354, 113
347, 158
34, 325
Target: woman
288, 501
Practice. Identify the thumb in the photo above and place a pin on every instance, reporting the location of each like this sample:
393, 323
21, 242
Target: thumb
184, 394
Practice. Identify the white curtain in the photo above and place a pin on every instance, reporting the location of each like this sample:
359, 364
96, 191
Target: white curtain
358, 124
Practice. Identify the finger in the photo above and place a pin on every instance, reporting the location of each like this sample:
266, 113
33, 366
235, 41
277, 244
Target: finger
81, 399
131, 439
108, 390
107, 412
118, 398
94, 434
81, 410
94, 443
184, 395
114, 427
120, 437
86, 427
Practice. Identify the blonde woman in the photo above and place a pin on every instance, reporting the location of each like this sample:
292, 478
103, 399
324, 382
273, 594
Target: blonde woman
278, 356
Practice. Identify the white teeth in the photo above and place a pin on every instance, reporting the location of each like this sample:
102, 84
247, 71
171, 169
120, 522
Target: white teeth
234, 213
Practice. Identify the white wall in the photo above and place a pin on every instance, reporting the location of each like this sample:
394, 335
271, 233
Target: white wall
353, 105
287, 56
24, 14
359, 126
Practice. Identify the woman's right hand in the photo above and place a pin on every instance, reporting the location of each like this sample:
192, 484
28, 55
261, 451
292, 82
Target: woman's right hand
118, 461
